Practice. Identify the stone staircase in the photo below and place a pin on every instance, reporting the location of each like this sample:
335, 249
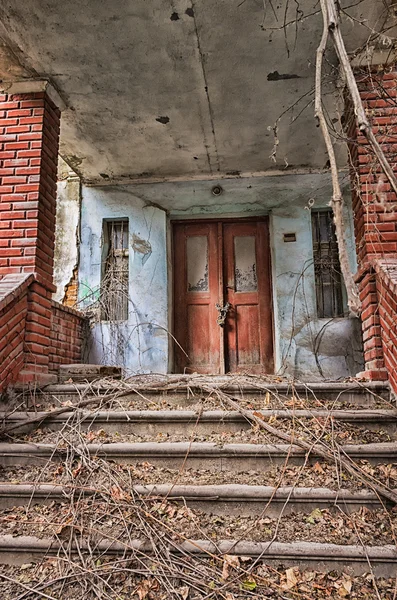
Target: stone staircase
222, 486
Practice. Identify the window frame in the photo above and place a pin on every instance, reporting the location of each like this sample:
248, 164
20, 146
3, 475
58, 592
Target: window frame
106, 313
337, 303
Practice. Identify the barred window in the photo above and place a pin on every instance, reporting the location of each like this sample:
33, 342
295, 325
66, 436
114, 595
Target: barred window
114, 285
328, 277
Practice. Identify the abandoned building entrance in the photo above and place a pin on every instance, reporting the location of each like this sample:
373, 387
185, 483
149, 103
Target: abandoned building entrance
222, 296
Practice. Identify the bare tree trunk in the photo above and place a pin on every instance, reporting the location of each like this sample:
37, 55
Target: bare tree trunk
337, 202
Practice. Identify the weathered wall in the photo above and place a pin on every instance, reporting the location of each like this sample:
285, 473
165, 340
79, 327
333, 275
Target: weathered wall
66, 234
140, 344
305, 346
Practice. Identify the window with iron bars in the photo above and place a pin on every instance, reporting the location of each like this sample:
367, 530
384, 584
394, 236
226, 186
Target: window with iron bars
328, 276
114, 284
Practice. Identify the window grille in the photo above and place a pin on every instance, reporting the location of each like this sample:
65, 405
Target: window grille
114, 287
328, 277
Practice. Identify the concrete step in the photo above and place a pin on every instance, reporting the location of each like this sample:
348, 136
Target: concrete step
305, 555
47, 506
196, 455
86, 372
187, 422
230, 499
266, 395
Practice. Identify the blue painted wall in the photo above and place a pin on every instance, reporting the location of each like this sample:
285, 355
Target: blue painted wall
305, 346
140, 344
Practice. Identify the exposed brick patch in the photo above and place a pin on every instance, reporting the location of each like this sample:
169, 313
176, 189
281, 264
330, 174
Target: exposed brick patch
66, 336
71, 290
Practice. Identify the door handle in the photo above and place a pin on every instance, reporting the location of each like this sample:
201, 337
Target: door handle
222, 310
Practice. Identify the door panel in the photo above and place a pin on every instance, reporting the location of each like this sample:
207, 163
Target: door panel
196, 277
219, 262
198, 334
247, 334
249, 337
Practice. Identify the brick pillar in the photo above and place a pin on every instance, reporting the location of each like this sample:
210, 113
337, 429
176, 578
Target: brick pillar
29, 138
374, 202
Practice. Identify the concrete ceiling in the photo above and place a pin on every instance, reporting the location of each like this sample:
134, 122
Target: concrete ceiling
177, 88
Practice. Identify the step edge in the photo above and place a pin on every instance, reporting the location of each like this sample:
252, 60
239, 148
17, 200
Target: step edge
288, 387
300, 550
138, 416
206, 448
232, 492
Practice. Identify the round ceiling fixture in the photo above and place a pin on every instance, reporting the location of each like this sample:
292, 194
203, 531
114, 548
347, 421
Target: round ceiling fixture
217, 190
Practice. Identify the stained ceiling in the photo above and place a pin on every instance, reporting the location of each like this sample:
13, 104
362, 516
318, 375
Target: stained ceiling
180, 88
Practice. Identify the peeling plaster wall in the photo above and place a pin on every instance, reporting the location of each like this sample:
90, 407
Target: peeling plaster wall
305, 346
66, 229
139, 344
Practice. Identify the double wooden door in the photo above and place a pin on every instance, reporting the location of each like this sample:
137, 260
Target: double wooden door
222, 297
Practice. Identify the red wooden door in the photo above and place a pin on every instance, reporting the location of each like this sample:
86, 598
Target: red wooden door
216, 263
196, 292
248, 330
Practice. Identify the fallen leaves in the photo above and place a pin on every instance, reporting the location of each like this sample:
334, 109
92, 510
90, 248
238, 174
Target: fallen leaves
229, 561
145, 587
291, 579
315, 516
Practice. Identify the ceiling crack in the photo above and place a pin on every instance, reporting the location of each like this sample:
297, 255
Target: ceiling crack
210, 111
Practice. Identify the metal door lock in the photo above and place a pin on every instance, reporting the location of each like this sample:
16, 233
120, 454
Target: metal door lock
222, 310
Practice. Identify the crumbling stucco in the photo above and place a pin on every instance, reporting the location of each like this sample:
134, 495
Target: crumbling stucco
66, 234
140, 344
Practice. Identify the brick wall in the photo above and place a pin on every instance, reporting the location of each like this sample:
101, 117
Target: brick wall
386, 286
372, 343
374, 206
66, 336
29, 134
37, 335
13, 310
22, 310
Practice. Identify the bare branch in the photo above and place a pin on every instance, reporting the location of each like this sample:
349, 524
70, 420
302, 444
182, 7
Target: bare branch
337, 198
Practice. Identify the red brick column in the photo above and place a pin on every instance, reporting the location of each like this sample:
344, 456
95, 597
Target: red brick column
29, 134
374, 202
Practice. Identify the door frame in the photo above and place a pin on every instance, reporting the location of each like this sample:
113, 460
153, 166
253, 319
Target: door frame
220, 220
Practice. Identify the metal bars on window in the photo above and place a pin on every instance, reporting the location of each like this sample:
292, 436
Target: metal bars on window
114, 287
328, 277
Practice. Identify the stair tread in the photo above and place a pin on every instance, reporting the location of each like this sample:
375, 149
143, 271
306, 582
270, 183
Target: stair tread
172, 490
213, 415
223, 546
103, 516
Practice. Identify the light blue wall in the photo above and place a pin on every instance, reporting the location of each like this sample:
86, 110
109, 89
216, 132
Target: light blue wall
140, 344
305, 346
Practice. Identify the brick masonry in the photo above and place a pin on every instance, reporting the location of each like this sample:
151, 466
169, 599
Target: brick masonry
386, 284
13, 310
66, 336
29, 136
21, 303
375, 214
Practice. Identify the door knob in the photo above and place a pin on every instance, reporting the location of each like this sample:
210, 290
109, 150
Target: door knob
222, 310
